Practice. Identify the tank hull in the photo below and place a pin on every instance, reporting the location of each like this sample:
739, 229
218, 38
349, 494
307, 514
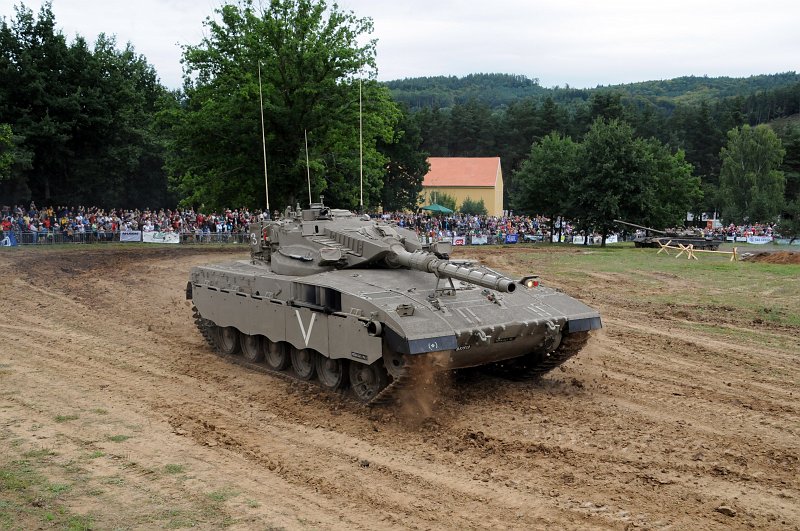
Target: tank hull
389, 317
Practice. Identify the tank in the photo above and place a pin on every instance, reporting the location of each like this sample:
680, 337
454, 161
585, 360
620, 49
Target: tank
687, 237
359, 305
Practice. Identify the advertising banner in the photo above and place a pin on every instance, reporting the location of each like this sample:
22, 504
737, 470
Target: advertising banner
759, 239
161, 237
459, 240
480, 240
130, 235
511, 238
10, 240
611, 238
577, 240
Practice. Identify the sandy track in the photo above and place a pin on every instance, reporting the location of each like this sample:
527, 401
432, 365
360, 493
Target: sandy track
651, 425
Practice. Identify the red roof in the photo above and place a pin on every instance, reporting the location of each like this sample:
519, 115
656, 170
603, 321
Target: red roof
462, 171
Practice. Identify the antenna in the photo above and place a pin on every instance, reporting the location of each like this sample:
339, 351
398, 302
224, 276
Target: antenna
263, 135
308, 168
360, 152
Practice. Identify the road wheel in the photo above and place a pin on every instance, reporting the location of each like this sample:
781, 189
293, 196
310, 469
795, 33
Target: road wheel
227, 340
303, 363
368, 380
276, 355
251, 348
332, 373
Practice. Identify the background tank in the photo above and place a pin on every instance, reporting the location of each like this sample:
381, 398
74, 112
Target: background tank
360, 304
684, 238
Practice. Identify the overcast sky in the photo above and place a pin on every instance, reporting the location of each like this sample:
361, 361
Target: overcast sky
580, 43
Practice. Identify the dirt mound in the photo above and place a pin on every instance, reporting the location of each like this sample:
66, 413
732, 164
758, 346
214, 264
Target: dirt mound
777, 257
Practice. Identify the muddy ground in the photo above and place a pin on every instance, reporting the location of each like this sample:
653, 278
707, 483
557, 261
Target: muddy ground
109, 393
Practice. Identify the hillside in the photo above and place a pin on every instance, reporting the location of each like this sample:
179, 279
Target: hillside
499, 90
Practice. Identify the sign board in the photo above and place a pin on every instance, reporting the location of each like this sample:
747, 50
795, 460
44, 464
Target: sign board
130, 235
161, 237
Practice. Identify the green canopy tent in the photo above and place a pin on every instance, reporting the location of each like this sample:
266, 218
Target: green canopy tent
433, 207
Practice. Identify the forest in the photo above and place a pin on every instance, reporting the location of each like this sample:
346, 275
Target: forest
91, 124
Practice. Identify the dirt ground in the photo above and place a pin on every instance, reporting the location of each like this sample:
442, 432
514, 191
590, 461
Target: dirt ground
103, 373
778, 257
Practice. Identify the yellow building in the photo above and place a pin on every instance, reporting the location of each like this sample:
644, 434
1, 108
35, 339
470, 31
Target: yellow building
475, 178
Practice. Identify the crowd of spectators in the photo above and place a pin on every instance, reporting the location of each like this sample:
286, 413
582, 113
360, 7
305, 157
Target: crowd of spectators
756, 229
103, 224
447, 226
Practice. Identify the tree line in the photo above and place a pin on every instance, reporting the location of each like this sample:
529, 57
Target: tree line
83, 124
701, 132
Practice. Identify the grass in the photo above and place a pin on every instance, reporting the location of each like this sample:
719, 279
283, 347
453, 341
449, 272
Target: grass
28, 499
222, 495
39, 454
119, 438
708, 288
174, 469
66, 418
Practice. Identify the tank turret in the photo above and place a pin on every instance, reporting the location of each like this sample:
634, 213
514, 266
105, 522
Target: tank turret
320, 239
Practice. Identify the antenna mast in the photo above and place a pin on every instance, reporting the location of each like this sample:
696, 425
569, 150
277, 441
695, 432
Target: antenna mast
263, 134
360, 152
308, 168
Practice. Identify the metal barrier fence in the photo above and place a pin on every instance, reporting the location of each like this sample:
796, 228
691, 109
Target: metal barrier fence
52, 238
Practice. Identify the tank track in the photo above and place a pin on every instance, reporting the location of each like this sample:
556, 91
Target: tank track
406, 380
204, 325
385, 396
529, 367
536, 365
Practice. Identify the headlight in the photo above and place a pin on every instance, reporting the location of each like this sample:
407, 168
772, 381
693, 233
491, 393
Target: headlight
530, 282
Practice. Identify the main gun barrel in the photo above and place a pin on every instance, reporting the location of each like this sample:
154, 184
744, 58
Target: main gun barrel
428, 262
639, 226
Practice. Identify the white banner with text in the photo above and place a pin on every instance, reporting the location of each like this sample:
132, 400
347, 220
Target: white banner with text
130, 235
161, 237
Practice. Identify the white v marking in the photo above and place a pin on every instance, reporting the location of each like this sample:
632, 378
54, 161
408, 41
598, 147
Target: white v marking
306, 334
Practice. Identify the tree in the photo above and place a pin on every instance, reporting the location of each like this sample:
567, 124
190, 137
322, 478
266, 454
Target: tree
612, 183
751, 183
676, 190
472, 132
622, 177
406, 167
444, 199
82, 118
6, 153
789, 133
469, 206
789, 226
543, 178
311, 58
